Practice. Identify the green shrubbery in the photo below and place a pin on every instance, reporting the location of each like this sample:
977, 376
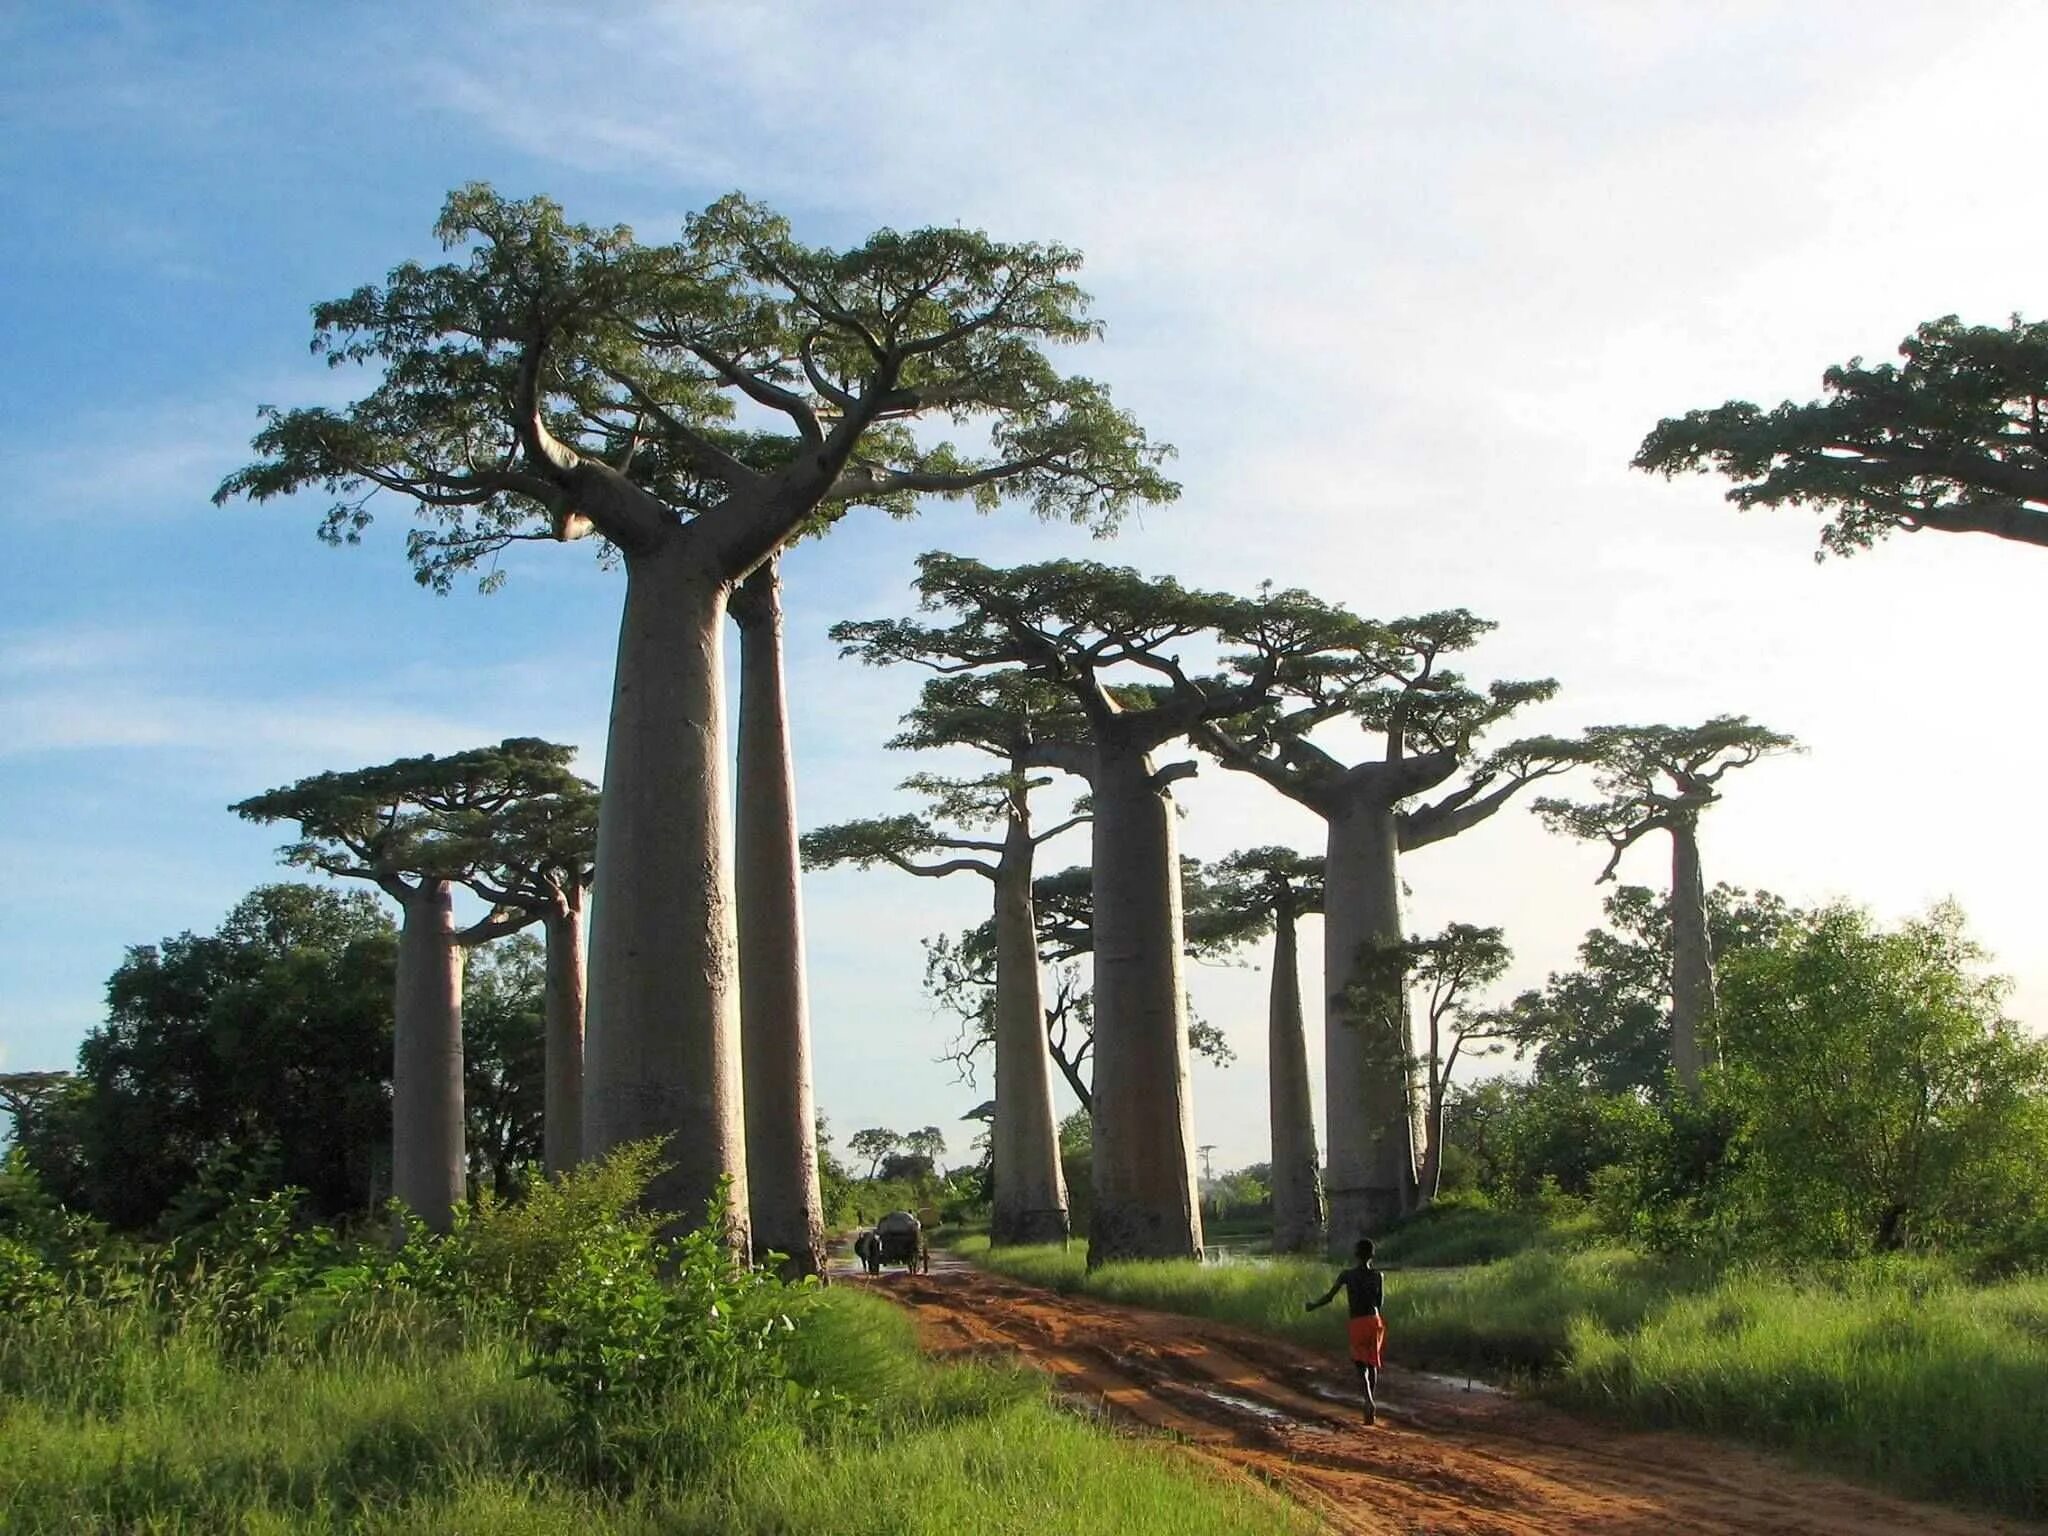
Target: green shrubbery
550, 1365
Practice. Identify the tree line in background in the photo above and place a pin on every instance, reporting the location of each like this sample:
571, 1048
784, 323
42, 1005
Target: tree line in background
692, 407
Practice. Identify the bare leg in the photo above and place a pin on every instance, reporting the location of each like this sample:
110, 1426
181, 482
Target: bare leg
1368, 1381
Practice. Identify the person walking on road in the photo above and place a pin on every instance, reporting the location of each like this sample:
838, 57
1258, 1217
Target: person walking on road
1364, 1291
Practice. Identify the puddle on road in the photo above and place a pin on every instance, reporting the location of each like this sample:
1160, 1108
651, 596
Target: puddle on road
1461, 1383
1263, 1412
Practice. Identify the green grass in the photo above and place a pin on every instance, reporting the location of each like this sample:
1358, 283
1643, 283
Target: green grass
1906, 1374
397, 1428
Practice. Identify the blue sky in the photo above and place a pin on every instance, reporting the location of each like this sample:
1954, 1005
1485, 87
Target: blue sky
1405, 285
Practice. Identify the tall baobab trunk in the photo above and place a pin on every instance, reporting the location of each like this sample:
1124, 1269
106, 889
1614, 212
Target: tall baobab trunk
1367, 1065
1146, 1202
662, 1052
562, 1102
1692, 960
1030, 1203
427, 1163
775, 1026
1297, 1179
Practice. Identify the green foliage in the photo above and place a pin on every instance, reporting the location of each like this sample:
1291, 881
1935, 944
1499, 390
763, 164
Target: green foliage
409, 1390
504, 1061
1883, 1098
1953, 439
275, 1030
510, 819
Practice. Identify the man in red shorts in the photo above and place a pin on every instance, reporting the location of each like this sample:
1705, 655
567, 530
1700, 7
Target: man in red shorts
1364, 1289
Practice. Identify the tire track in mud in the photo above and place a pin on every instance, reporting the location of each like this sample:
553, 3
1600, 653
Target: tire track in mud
1443, 1459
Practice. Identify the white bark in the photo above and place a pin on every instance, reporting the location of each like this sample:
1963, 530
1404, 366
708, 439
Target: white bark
1370, 1119
1297, 1179
661, 1052
1692, 960
1030, 1204
427, 1163
1146, 1201
562, 1105
775, 1026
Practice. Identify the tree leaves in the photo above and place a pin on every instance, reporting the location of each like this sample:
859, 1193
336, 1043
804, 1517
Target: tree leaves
1954, 439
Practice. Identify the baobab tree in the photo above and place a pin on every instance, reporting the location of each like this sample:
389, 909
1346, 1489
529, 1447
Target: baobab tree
412, 828
536, 855
1393, 681
785, 1205
1660, 778
1030, 1196
1271, 889
1106, 636
564, 381
1955, 440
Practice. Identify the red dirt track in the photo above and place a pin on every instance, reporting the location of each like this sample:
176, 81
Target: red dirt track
1441, 1459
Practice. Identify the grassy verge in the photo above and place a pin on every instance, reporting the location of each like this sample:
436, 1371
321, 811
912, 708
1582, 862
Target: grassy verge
405, 1429
1902, 1373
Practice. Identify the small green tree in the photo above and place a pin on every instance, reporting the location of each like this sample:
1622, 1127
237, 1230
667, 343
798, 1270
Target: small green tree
1885, 1099
874, 1144
1955, 440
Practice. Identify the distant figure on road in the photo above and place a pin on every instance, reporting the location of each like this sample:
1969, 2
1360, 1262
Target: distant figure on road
1364, 1289
868, 1249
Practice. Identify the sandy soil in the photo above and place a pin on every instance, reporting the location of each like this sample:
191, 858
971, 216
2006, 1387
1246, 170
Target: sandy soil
1444, 1457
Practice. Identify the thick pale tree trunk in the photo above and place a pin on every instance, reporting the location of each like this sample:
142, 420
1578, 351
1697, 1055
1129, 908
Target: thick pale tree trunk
562, 1102
1370, 1120
661, 1052
1692, 960
427, 1164
1297, 1179
1146, 1203
1030, 1204
775, 1025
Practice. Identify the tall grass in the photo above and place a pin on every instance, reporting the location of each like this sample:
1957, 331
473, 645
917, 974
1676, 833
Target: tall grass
1907, 1374
116, 1422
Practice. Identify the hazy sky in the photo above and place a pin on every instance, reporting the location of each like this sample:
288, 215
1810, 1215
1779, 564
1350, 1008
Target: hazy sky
1404, 284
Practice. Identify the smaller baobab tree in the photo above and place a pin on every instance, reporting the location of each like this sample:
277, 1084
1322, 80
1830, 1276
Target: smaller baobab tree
1660, 778
1254, 891
1030, 1204
537, 855
1397, 684
414, 828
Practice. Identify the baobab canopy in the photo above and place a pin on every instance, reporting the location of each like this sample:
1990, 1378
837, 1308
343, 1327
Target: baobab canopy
1952, 439
527, 384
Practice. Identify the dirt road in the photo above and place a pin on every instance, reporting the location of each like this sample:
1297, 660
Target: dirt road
1442, 1459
